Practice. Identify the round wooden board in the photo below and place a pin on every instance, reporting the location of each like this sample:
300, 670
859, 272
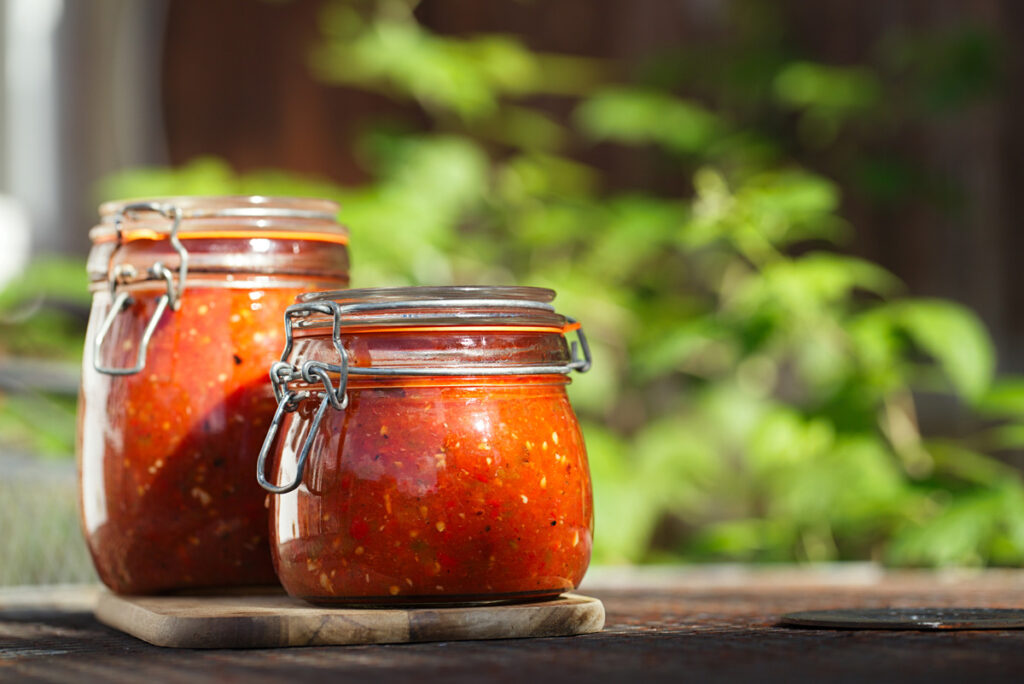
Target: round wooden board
276, 620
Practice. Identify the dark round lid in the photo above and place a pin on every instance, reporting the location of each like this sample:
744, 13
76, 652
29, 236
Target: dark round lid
908, 618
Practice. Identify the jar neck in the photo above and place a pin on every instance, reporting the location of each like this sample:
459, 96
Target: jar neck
229, 281
246, 235
465, 351
285, 257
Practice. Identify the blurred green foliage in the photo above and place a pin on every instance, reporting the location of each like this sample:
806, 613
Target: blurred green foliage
38, 309
42, 315
755, 391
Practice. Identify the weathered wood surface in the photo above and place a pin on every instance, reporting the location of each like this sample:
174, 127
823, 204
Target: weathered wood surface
276, 620
697, 626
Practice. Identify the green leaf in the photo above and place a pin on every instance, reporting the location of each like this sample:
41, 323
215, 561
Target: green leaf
766, 210
816, 279
955, 337
638, 117
536, 176
745, 540
969, 530
523, 128
678, 462
876, 345
396, 56
806, 84
1006, 437
635, 232
698, 347
951, 538
795, 194
1005, 397
952, 459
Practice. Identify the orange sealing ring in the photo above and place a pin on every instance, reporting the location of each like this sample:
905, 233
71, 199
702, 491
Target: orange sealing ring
148, 234
565, 329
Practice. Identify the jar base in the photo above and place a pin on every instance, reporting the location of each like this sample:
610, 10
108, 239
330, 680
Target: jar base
436, 601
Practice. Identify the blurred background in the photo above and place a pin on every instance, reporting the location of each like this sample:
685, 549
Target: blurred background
790, 230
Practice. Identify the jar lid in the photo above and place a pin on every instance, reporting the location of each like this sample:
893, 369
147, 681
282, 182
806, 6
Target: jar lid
241, 216
456, 309
464, 307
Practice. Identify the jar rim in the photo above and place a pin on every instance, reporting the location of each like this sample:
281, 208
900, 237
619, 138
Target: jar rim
435, 307
429, 293
202, 206
208, 216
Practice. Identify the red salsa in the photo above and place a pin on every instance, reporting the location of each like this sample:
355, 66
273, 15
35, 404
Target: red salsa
433, 489
166, 453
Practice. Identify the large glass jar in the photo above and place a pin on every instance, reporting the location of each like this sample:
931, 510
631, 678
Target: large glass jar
427, 451
188, 298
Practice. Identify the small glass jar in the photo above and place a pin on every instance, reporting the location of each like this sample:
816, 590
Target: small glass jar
428, 453
188, 297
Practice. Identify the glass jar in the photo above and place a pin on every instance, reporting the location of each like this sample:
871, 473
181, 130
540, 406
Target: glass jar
188, 298
428, 452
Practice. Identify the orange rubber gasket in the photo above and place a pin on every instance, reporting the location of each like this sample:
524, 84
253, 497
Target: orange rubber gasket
565, 329
357, 382
147, 234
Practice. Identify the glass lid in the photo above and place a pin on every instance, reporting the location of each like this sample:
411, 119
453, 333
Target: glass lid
218, 216
429, 307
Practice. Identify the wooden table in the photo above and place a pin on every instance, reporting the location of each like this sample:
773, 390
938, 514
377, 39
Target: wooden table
707, 624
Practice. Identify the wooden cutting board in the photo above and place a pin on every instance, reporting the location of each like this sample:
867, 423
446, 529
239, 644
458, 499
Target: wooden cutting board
274, 620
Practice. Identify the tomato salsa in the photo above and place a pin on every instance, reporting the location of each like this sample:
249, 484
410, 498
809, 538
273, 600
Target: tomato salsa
166, 453
457, 486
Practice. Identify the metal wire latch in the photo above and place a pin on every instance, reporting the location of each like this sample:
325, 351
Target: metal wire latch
282, 373
120, 301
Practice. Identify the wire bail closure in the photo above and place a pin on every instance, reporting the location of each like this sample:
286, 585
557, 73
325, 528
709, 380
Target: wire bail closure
123, 273
282, 373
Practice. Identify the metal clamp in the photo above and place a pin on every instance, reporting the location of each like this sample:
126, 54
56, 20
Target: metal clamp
288, 400
289, 403
282, 373
578, 364
124, 272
